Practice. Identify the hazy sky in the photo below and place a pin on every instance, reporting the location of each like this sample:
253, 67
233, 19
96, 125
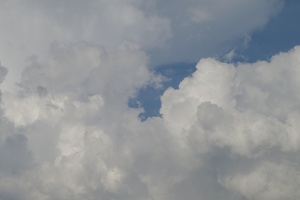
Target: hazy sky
149, 100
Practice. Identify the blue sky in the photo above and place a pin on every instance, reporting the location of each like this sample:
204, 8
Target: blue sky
149, 99
280, 34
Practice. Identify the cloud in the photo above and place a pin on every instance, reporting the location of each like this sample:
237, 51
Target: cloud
72, 109
169, 31
228, 132
101, 22
230, 55
3, 72
240, 121
211, 28
199, 15
267, 181
105, 23
262, 95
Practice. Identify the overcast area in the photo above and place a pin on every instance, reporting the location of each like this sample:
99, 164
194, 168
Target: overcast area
229, 131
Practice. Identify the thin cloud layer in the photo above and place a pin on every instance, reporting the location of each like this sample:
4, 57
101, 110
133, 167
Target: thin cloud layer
228, 132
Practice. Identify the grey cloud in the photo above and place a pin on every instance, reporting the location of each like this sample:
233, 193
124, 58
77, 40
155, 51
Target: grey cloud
3, 72
267, 181
14, 155
211, 28
169, 31
105, 23
88, 69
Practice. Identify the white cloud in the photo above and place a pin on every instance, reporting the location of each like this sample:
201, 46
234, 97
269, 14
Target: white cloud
232, 118
257, 100
225, 128
230, 55
228, 132
72, 108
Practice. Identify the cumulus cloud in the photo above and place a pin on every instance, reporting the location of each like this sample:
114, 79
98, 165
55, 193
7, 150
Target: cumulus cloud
228, 132
243, 118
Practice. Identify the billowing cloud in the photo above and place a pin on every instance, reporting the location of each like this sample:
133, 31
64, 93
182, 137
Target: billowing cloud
241, 122
228, 132
67, 132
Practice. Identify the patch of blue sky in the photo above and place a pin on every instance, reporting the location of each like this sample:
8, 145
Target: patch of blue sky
279, 35
149, 96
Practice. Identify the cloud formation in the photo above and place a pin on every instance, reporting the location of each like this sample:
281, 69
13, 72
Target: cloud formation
67, 132
105, 23
243, 118
227, 132
169, 31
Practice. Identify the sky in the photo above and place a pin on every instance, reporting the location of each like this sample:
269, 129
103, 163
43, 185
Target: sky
149, 99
